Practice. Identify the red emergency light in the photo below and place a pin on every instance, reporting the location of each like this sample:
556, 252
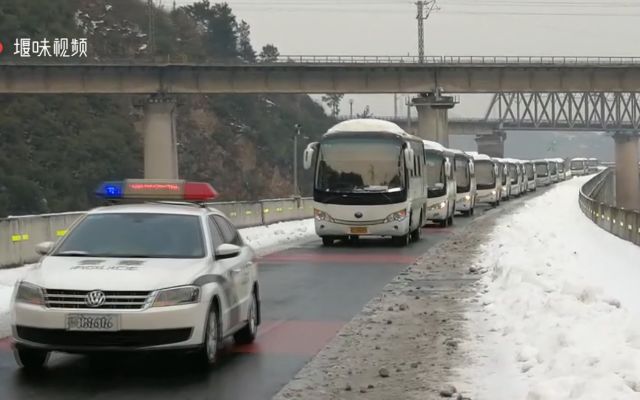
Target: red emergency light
147, 189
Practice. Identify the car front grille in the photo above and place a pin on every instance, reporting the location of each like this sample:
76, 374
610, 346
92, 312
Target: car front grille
115, 300
130, 338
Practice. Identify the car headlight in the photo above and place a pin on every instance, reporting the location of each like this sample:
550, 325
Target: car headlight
177, 296
30, 294
322, 216
396, 216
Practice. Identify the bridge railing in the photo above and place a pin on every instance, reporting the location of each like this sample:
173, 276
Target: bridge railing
618, 221
337, 59
19, 236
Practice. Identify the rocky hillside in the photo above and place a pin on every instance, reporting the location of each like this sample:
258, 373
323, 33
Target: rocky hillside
55, 149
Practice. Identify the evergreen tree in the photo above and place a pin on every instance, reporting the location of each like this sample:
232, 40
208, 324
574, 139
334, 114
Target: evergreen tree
269, 53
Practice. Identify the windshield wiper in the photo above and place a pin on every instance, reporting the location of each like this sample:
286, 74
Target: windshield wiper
74, 253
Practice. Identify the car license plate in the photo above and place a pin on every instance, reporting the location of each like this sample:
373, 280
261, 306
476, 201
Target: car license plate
93, 322
359, 230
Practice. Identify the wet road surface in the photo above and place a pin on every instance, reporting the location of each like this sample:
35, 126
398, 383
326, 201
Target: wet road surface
308, 293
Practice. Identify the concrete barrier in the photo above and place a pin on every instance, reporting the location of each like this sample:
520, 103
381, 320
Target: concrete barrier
623, 223
19, 236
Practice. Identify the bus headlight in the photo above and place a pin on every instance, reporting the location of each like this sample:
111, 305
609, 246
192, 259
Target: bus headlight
322, 216
396, 216
467, 197
438, 206
493, 192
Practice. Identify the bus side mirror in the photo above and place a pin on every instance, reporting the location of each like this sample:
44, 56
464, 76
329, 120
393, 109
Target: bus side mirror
447, 168
472, 169
308, 155
408, 158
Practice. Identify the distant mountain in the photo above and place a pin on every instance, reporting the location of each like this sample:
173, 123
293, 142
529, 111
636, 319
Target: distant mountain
55, 149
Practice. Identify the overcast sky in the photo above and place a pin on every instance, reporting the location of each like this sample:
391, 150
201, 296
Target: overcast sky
460, 27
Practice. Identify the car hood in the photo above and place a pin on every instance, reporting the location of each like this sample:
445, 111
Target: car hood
88, 273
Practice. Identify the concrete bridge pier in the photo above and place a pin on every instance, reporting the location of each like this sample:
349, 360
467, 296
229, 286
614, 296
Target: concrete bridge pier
627, 180
492, 145
159, 135
433, 119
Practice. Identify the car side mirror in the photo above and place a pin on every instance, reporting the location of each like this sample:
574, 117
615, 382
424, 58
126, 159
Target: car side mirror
308, 155
44, 248
227, 250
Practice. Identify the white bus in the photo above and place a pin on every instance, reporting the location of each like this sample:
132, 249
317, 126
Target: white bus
488, 185
503, 178
514, 177
441, 202
578, 166
553, 170
542, 173
369, 180
562, 174
465, 182
530, 173
592, 165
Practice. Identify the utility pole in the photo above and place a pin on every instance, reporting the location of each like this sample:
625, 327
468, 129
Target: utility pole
152, 28
350, 108
424, 11
408, 103
395, 106
297, 127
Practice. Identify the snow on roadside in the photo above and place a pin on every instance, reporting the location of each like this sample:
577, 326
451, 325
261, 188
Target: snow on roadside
560, 314
263, 239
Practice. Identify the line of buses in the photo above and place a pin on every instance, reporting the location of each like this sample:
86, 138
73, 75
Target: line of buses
371, 178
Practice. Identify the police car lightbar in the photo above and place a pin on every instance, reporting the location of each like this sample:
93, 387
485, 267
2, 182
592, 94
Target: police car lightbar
156, 189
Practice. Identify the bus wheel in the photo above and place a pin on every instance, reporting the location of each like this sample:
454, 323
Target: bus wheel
471, 211
444, 223
327, 241
416, 234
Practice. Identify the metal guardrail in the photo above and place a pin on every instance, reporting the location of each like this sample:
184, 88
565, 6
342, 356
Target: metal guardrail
623, 223
19, 236
335, 59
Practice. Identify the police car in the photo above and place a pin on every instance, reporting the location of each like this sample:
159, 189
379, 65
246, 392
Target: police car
169, 273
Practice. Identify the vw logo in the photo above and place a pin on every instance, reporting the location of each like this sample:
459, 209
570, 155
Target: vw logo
358, 214
95, 298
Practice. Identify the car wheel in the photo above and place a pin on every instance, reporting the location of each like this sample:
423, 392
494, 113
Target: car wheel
248, 334
30, 358
210, 349
327, 241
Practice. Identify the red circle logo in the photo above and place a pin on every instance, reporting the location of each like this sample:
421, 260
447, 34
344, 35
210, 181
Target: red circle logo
1, 48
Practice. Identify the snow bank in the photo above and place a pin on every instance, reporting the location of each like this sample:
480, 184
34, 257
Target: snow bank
263, 239
560, 315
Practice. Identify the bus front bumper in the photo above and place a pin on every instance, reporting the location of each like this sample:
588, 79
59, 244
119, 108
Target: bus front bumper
394, 228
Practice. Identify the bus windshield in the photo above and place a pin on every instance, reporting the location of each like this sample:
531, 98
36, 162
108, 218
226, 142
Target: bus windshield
463, 178
552, 168
542, 169
576, 165
485, 175
360, 165
435, 173
513, 172
530, 174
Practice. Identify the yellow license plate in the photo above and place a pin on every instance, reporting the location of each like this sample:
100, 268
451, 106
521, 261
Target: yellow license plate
359, 230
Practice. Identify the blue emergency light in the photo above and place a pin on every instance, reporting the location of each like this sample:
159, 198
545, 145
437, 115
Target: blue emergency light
155, 189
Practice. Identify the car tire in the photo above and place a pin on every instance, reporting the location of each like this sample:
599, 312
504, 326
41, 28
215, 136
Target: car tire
327, 241
30, 359
209, 352
248, 334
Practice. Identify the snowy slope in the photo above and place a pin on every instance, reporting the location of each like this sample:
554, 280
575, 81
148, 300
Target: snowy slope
263, 239
560, 315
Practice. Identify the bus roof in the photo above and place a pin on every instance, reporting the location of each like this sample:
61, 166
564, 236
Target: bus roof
579, 159
461, 153
431, 145
480, 157
367, 125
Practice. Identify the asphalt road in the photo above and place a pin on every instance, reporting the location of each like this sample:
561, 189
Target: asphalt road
308, 292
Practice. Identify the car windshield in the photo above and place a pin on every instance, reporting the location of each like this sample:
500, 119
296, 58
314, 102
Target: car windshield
542, 170
135, 235
360, 165
485, 174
